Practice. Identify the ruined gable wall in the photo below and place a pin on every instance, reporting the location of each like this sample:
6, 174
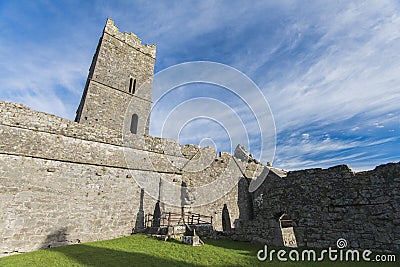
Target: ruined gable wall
328, 204
61, 181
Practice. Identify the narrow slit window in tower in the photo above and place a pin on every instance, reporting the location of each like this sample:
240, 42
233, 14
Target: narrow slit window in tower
134, 86
130, 85
134, 123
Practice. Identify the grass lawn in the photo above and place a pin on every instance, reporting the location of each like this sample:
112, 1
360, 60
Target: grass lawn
139, 250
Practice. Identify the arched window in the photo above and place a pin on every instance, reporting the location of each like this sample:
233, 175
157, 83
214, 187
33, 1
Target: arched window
134, 123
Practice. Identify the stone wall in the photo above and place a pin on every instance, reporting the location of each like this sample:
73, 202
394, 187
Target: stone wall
62, 182
328, 204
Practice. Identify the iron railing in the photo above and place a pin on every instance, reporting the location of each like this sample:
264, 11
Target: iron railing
173, 218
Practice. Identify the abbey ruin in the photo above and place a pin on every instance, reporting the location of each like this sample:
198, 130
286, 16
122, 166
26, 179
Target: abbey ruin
65, 182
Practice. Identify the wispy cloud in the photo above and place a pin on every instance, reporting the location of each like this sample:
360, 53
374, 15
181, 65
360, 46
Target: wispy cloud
355, 73
346, 77
43, 59
41, 79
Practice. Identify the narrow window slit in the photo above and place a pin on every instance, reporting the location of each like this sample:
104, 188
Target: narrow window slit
134, 86
130, 85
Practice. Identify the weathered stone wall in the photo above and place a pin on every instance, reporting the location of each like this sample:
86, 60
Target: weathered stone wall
328, 204
61, 181
40, 198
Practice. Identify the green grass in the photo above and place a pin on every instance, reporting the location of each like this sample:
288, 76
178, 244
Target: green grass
139, 250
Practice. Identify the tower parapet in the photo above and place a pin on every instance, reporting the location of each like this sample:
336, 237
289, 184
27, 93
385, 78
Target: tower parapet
129, 38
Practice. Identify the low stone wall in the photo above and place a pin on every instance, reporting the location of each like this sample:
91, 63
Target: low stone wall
328, 204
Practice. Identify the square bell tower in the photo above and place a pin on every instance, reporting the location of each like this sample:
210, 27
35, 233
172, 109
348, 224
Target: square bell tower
118, 89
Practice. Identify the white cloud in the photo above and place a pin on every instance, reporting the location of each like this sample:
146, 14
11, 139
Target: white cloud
40, 75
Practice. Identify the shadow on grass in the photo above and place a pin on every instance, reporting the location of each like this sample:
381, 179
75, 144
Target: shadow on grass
96, 256
234, 245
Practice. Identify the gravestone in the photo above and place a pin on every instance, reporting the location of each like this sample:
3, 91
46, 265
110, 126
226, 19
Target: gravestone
157, 215
226, 219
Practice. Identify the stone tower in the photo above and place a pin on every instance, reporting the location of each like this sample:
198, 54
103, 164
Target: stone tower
118, 87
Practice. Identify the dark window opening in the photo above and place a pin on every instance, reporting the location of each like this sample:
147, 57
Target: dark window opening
130, 85
134, 86
134, 123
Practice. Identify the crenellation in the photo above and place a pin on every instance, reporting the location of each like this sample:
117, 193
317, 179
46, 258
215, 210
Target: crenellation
129, 38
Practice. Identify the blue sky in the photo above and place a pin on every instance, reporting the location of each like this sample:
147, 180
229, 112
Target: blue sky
330, 70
